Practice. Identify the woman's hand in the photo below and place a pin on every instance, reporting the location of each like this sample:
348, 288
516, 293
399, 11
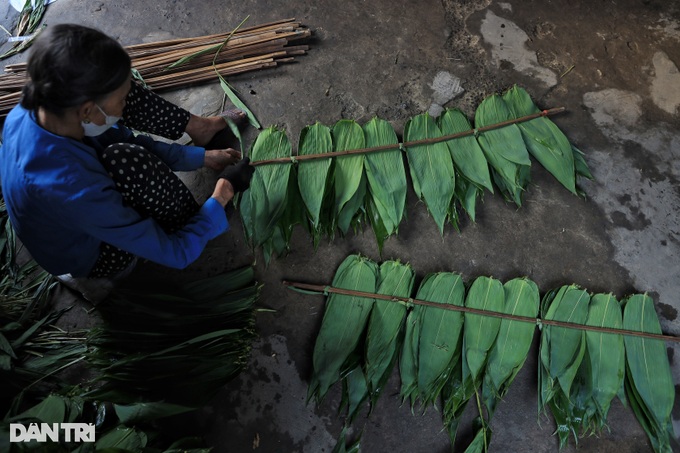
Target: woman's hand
218, 159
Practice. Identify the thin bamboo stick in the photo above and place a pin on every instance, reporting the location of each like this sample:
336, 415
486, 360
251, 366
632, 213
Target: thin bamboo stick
243, 30
211, 76
218, 39
207, 71
398, 146
494, 314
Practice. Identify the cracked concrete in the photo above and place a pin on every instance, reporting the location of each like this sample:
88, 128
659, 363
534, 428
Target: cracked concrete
613, 65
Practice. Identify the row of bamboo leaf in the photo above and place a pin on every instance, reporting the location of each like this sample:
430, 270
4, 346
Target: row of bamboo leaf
188, 61
344, 190
455, 357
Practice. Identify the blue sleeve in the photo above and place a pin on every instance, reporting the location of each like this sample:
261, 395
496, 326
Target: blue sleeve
177, 157
101, 213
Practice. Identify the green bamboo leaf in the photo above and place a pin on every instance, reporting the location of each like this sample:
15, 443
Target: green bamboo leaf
263, 204
510, 351
480, 331
343, 323
440, 333
313, 174
431, 167
581, 397
468, 157
504, 148
355, 392
352, 213
544, 140
606, 353
650, 374
479, 442
562, 352
408, 360
233, 97
379, 228
53, 409
293, 214
386, 175
188, 58
219, 286
349, 178
385, 324
580, 164
456, 394
570, 305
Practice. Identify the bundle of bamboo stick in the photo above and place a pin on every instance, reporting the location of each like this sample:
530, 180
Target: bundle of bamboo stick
248, 49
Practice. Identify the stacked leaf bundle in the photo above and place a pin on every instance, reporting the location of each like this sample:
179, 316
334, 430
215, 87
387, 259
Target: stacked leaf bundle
456, 343
363, 178
185, 61
209, 322
174, 344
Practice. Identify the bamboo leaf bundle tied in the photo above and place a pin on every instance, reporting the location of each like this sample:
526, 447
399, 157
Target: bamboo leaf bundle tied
544, 140
263, 205
472, 169
343, 324
313, 176
349, 178
561, 353
386, 177
510, 351
431, 168
649, 385
385, 326
504, 148
606, 355
433, 337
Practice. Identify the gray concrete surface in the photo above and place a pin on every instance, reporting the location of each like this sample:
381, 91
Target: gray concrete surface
613, 65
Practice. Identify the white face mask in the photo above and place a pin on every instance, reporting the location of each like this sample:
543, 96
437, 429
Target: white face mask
93, 130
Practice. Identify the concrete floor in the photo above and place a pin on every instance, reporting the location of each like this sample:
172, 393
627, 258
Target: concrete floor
613, 65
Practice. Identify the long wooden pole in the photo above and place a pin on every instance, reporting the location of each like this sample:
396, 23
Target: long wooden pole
249, 49
321, 289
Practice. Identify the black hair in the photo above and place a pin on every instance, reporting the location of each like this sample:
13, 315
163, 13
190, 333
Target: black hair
71, 64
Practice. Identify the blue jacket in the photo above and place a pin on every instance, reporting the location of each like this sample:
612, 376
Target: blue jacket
63, 204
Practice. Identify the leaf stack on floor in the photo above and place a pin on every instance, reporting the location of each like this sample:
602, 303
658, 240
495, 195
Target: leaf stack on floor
159, 354
177, 344
460, 357
365, 180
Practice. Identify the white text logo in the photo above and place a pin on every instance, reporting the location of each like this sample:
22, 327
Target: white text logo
72, 432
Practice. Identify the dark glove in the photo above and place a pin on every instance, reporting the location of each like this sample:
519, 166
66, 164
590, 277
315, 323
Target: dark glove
239, 175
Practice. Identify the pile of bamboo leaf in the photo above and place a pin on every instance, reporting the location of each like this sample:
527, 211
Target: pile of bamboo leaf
163, 350
458, 342
350, 174
187, 61
174, 343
